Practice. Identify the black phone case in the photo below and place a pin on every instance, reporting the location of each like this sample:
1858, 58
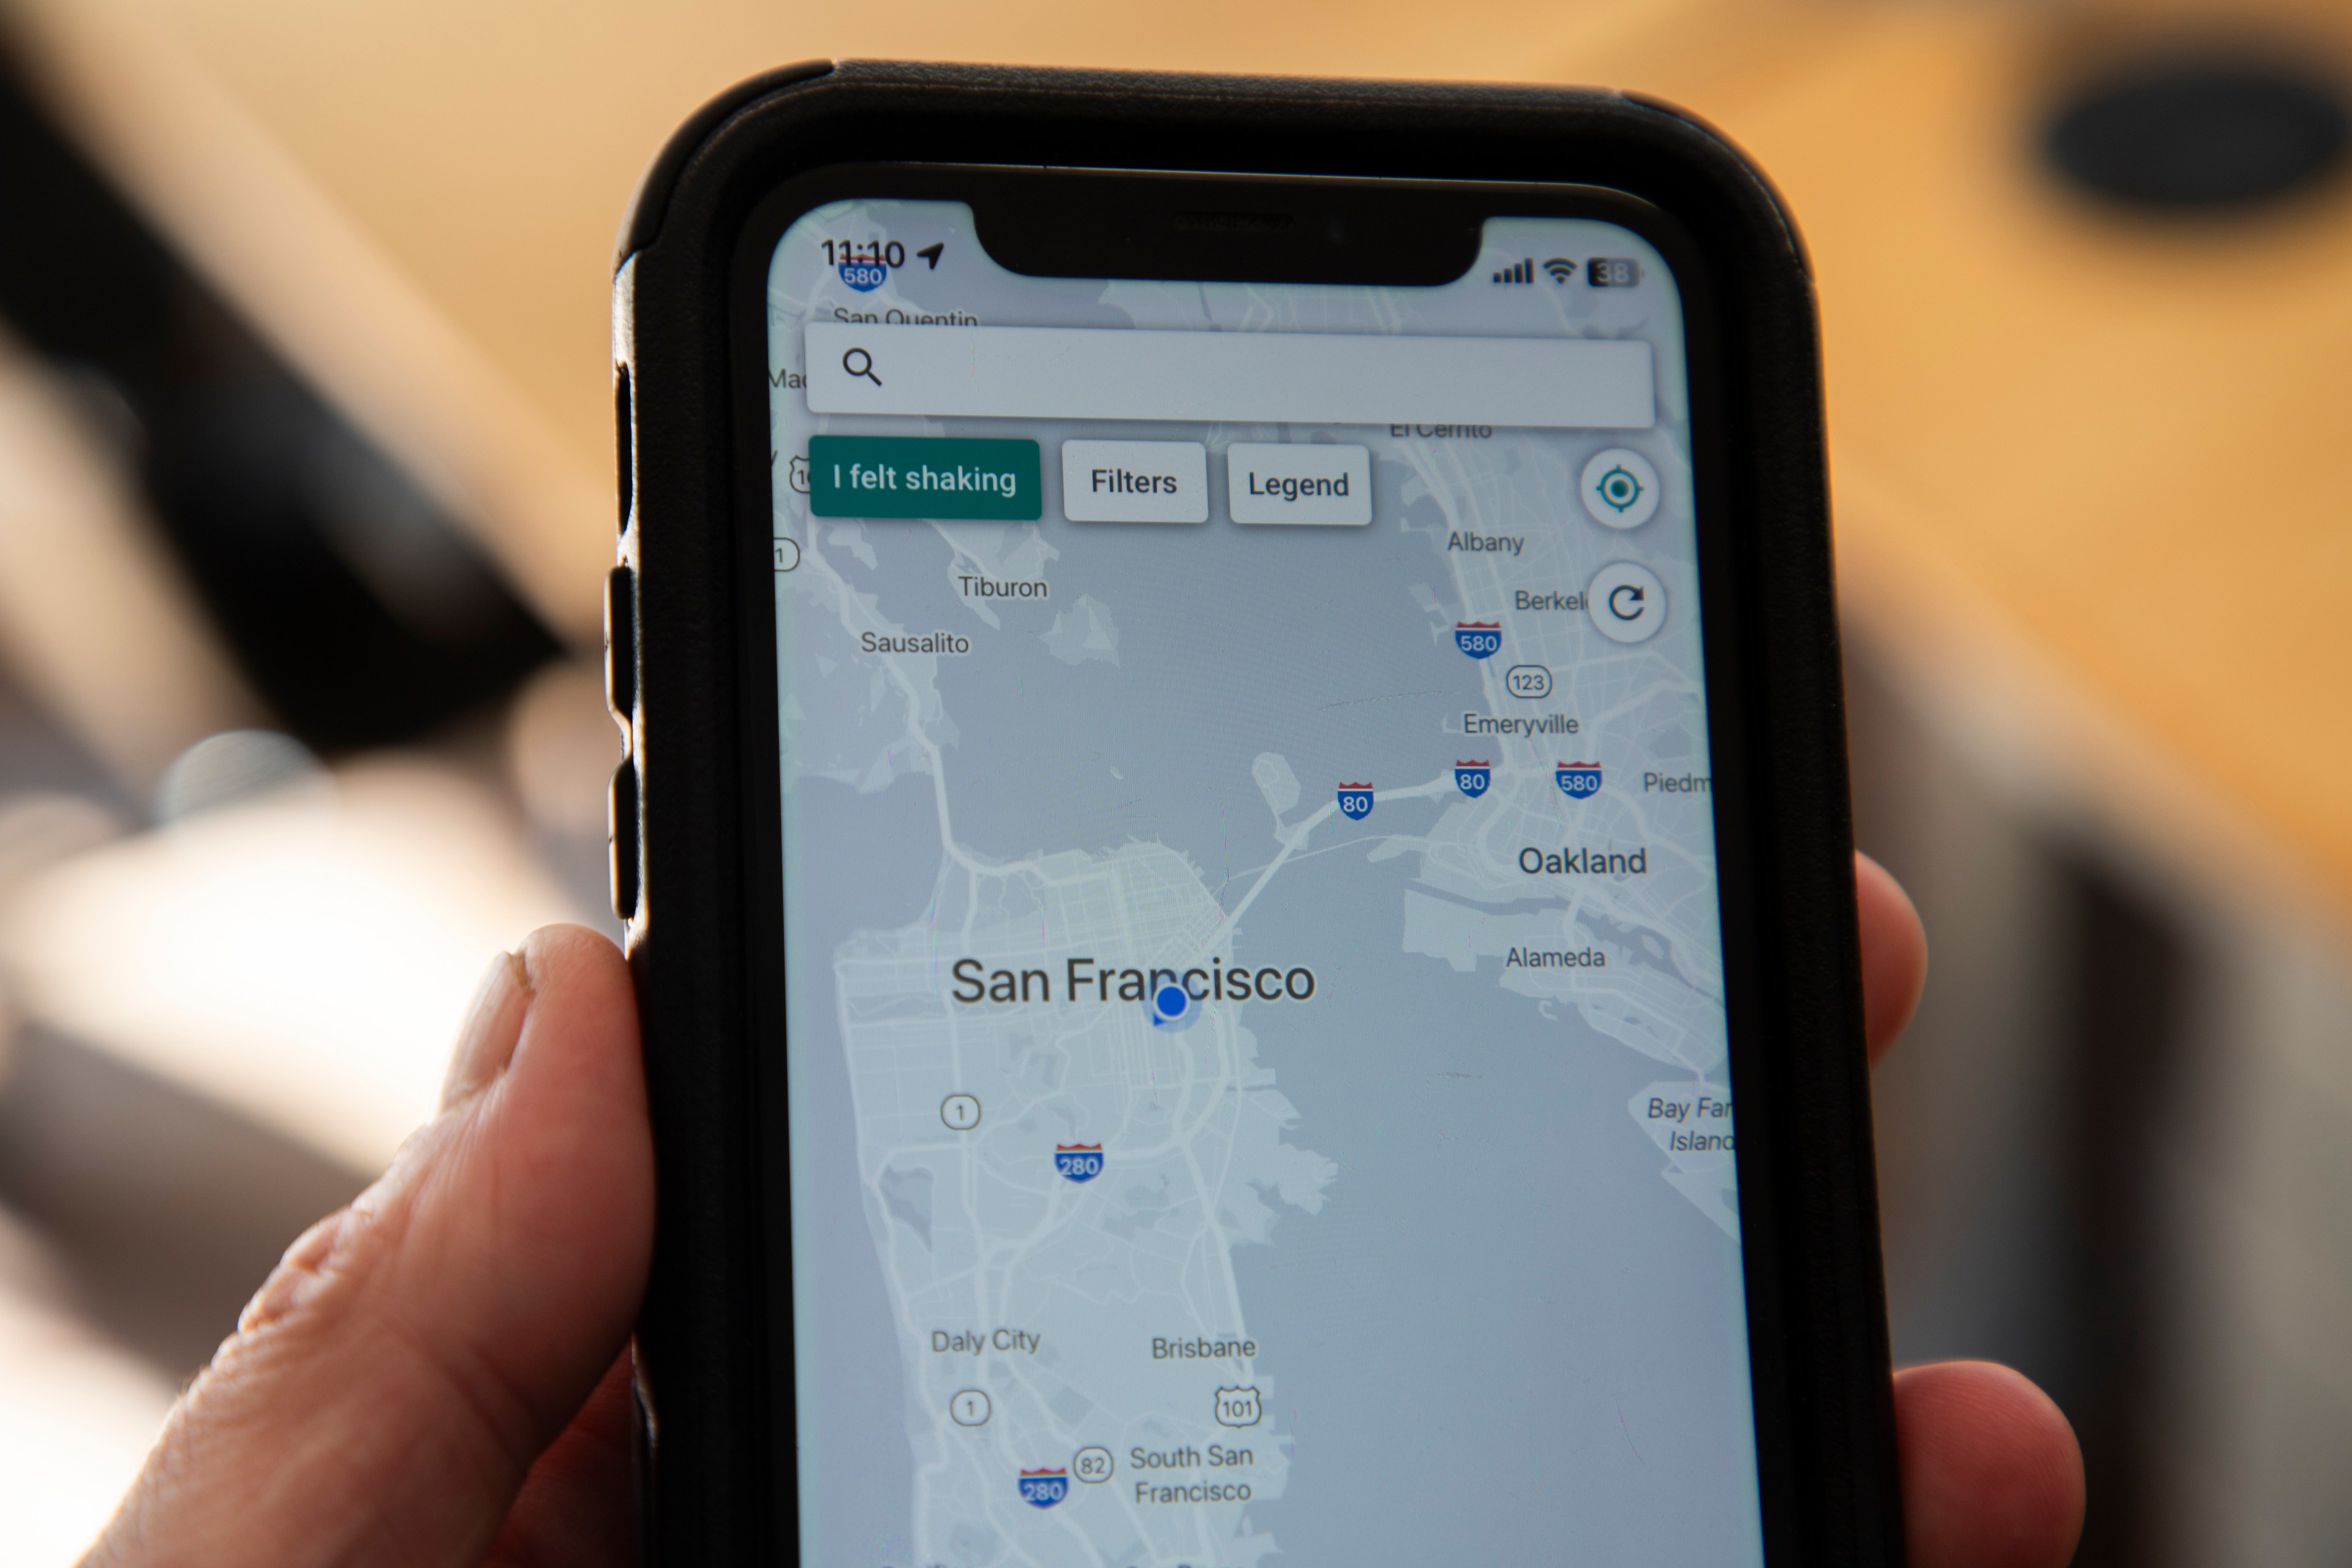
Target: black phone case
690, 804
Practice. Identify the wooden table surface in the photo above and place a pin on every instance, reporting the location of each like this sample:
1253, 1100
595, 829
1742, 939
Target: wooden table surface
2091, 471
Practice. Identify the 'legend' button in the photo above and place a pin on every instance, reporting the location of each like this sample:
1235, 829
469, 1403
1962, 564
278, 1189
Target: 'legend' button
1298, 482
1135, 481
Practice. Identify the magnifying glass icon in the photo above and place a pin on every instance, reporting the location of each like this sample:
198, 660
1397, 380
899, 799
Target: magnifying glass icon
857, 362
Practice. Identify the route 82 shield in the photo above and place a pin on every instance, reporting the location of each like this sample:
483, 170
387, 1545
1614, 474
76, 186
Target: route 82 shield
1355, 801
1578, 780
1079, 1161
1472, 778
1479, 639
1043, 1488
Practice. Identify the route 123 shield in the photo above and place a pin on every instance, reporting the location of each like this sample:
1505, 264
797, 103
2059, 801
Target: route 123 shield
1356, 801
1472, 778
1079, 1161
1043, 1488
1479, 639
1578, 780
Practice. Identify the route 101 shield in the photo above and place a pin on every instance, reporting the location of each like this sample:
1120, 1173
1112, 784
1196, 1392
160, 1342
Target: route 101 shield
1578, 780
1079, 1161
1355, 801
1043, 1488
1472, 778
1479, 639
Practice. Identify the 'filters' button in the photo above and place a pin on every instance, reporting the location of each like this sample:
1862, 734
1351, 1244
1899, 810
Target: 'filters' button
1135, 481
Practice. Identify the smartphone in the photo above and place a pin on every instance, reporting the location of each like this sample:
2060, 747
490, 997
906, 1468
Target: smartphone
1235, 840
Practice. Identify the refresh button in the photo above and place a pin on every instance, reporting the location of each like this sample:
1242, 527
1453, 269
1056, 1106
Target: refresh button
1627, 603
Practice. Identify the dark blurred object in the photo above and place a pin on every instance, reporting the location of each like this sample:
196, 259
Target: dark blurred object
361, 613
2192, 132
2031, 1126
2131, 973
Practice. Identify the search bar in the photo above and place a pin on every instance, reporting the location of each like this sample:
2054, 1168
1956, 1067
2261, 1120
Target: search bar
1233, 378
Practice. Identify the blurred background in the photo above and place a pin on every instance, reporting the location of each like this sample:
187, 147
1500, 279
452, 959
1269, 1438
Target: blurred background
305, 503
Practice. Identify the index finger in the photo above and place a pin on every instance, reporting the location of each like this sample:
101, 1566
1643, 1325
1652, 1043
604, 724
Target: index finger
1893, 953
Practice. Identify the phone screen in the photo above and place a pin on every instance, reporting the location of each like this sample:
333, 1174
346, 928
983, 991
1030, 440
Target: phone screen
1257, 1050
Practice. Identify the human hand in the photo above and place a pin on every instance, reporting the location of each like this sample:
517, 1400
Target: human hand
437, 1375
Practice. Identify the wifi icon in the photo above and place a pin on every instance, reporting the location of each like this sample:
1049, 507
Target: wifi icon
1560, 268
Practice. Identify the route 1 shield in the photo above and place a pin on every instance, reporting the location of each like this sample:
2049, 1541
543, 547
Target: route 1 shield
1079, 1161
1479, 639
1356, 802
1472, 778
1043, 1488
1578, 780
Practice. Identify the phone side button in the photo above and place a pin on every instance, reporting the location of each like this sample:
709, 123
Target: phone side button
621, 642
625, 840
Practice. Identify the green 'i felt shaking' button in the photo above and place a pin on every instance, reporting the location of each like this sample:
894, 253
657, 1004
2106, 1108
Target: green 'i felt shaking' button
924, 476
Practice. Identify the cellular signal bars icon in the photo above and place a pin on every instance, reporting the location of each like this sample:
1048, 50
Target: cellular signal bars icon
1518, 272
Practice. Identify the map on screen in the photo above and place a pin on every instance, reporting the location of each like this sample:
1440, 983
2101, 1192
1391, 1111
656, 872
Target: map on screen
1256, 1038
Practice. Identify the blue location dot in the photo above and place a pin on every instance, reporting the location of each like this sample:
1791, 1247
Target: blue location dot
1169, 1005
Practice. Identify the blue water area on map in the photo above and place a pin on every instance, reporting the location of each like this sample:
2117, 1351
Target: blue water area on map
1215, 664
1502, 1317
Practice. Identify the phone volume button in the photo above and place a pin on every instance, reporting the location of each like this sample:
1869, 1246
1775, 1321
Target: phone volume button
625, 422
620, 643
625, 840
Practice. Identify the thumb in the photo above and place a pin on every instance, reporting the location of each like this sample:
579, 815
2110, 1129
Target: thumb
386, 1392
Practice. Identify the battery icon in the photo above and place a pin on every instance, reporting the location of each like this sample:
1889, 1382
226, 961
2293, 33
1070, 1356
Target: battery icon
1611, 272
